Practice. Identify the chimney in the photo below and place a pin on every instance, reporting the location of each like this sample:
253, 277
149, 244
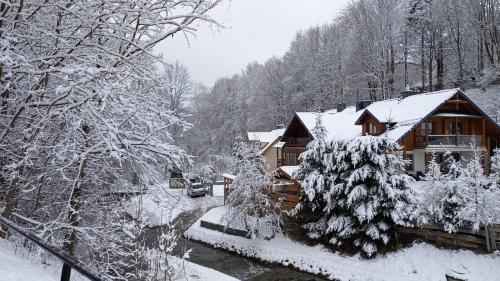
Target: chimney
362, 104
407, 93
280, 126
341, 106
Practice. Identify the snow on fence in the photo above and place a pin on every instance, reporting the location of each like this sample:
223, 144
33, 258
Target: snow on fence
486, 239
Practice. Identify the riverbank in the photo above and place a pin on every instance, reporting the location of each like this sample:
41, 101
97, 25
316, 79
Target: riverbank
419, 262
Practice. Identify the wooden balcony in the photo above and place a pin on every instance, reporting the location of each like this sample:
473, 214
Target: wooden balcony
297, 142
451, 140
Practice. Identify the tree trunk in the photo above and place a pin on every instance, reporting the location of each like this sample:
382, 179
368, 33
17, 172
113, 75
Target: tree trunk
74, 207
10, 199
422, 60
74, 202
392, 69
407, 84
439, 66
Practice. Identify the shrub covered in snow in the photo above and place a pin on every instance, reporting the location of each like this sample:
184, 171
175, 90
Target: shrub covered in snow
462, 195
249, 204
367, 194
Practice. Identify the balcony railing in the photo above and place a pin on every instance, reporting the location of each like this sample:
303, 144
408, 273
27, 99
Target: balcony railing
300, 142
455, 140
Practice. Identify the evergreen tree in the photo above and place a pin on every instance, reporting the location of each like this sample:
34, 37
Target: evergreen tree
313, 177
368, 195
479, 192
248, 200
495, 169
452, 202
435, 181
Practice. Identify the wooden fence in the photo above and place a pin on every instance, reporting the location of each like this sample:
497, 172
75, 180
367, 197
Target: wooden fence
486, 239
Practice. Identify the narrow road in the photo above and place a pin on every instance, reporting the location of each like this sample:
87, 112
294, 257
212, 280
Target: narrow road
225, 261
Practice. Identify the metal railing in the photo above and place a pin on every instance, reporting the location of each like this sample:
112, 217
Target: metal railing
69, 261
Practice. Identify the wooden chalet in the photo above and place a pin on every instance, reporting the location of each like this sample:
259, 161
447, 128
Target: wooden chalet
423, 123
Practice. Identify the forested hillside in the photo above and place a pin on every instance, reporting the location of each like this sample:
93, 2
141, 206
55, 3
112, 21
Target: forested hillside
372, 50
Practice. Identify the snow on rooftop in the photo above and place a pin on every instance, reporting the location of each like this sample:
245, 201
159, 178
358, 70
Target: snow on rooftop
414, 107
337, 124
228, 176
279, 144
406, 113
289, 170
265, 137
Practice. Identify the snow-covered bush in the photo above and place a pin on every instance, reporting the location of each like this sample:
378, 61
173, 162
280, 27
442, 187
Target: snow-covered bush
462, 195
248, 202
368, 197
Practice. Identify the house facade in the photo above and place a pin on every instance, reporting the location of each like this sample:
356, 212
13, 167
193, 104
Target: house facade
269, 145
423, 123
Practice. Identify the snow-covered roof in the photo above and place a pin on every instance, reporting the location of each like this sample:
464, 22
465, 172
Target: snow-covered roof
404, 114
408, 112
279, 144
289, 170
337, 124
414, 107
228, 176
265, 137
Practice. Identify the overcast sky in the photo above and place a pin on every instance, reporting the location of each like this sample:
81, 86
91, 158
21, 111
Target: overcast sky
255, 31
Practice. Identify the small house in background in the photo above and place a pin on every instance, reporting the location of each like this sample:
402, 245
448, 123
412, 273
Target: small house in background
269, 144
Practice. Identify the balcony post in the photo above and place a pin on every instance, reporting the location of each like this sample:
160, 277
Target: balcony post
427, 132
456, 131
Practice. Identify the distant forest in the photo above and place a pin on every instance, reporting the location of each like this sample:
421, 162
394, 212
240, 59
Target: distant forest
373, 50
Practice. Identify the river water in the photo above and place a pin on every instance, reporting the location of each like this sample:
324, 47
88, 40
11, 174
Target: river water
225, 261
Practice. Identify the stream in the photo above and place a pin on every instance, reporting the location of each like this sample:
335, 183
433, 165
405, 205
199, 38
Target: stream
224, 261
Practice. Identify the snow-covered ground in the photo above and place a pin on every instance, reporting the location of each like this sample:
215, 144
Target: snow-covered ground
161, 205
219, 190
191, 271
18, 265
419, 262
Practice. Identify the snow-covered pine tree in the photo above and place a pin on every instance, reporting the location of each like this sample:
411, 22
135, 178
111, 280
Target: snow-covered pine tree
313, 177
248, 202
371, 195
452, 202
434, 189
495, 169
478, 192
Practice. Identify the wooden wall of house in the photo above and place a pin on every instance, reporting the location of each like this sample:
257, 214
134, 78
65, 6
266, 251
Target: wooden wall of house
366, 120
272, 158
294, 131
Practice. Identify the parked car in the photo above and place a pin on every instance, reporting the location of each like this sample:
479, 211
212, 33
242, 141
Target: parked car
195, 188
